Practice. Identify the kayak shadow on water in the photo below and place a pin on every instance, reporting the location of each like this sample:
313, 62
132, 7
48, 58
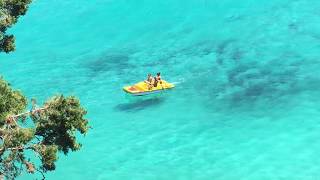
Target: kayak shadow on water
140, 104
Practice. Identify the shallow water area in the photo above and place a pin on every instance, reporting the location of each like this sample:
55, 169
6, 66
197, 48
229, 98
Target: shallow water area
246, 101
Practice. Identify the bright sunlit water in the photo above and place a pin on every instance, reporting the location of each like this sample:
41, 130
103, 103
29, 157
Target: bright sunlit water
246, 103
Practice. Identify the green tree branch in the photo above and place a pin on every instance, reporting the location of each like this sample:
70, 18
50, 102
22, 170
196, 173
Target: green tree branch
55, 125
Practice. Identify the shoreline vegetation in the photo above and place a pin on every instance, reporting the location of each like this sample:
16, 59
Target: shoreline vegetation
54, 125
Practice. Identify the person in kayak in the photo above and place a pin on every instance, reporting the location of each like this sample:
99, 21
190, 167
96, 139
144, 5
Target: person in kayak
157, 79
149, 81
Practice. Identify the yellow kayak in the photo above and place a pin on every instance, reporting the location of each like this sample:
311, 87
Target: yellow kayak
142, 88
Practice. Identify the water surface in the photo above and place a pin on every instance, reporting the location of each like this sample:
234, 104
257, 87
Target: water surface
246, 105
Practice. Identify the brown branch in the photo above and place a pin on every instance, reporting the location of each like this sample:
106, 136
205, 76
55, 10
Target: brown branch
18, 148
29, 166
12, 119
28, 112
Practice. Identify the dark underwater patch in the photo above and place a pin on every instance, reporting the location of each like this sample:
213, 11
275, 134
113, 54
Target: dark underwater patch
227, 50
234, 17
237, 54
263, 80
109, 62
247, 84
198, 49
293, 26
203, 48
139, 104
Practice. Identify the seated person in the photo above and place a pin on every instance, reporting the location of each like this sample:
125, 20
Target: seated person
155, 82
159, 77
149, 81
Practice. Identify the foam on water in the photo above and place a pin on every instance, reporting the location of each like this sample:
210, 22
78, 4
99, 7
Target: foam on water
246, 102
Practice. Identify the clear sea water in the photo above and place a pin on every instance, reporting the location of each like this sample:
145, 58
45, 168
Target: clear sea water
246, 102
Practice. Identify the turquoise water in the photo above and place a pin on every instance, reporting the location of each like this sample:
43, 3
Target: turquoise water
246, 102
